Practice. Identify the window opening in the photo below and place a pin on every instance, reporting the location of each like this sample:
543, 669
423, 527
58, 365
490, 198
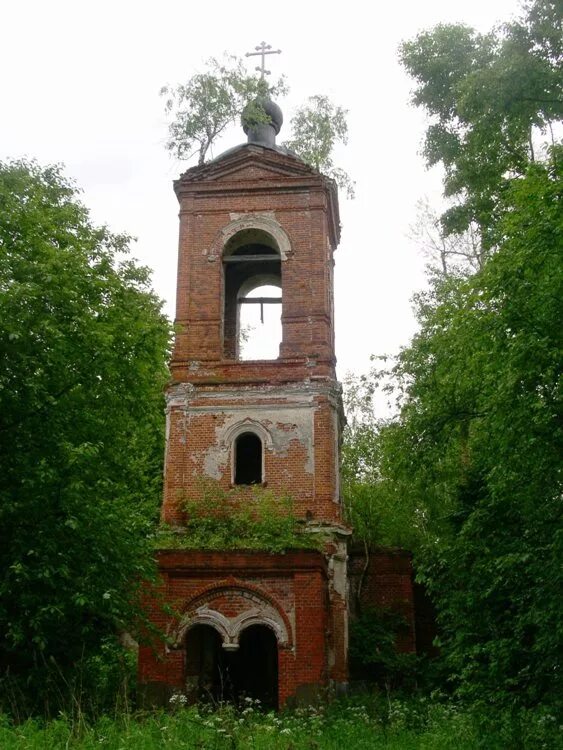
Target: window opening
252, 314
260, 328
248, 459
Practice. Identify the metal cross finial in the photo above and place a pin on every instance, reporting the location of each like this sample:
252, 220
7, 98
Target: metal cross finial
263, 49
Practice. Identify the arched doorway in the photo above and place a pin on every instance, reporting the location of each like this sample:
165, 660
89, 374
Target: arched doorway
203, 651
258, 654
215, 674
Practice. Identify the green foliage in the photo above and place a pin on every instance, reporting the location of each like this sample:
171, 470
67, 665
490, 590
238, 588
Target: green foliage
372, 507
472, 461
83, 345
490, 97
373, 651
240, 518
365, 723
476, 453
317, 127
470, 468
208, 103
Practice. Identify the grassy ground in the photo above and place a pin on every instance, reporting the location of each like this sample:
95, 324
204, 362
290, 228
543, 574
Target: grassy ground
345, 725
352, 724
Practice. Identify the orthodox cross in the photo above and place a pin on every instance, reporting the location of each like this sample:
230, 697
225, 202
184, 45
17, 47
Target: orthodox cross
263, 49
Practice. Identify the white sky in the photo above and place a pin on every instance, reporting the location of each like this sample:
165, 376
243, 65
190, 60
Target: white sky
79, 84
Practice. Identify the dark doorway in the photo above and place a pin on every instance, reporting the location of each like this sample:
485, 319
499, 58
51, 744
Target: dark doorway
258, 654
214, 674
203, 649
248, 459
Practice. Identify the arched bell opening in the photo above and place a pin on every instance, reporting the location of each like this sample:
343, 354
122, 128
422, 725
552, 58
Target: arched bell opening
252, 296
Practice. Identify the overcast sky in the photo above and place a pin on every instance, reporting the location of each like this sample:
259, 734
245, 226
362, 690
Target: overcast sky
79, 84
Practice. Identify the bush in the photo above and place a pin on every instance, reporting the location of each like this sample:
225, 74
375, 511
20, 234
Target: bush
373, 649
240, 518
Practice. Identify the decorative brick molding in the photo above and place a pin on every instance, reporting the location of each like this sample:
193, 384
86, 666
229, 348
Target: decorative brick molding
264, 221
230, 629
261, 608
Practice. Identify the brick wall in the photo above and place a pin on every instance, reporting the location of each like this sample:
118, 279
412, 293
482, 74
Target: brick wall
288, 590
293, 404
386, 584
293, 198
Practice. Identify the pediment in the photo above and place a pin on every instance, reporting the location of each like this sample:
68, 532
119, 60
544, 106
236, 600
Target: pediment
253, 167
249, 163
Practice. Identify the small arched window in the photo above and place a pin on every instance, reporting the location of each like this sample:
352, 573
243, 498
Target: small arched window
248, 459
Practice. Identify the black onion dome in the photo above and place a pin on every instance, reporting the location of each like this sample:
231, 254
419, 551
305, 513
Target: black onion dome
262, 132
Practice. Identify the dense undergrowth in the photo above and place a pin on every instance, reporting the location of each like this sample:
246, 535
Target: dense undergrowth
374, 721
239, 518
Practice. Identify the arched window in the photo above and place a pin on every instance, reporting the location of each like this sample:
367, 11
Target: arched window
252, 313
248, 459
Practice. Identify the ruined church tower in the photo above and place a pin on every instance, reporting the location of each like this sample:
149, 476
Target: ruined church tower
272, 626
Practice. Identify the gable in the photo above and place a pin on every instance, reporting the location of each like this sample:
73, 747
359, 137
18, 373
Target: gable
249, 162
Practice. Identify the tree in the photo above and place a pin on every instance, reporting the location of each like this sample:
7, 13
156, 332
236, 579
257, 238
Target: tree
457, 254
83, 345
473, 455
476, 452
490, 96
317, 127
204, 107
208, 103
371, 507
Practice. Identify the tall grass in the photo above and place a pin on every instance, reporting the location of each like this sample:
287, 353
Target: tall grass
356, 724
366, 723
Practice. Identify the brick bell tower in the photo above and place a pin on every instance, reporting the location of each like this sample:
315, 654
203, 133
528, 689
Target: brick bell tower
273, 626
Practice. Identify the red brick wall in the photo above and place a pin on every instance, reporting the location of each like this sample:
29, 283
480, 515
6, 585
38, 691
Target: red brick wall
303, 204
293, 403
294, 584
387, 584
300, 461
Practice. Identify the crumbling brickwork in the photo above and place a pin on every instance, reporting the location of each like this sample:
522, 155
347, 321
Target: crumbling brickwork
229, 591
287, 214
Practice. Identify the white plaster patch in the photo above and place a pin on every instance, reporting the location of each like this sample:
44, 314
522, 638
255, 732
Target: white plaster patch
282, 427
338, 567
179, 394
235, 216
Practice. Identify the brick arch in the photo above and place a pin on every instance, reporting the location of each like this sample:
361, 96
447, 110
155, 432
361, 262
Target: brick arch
253, 221
210, 617
196, 611
248, 425
247, 619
